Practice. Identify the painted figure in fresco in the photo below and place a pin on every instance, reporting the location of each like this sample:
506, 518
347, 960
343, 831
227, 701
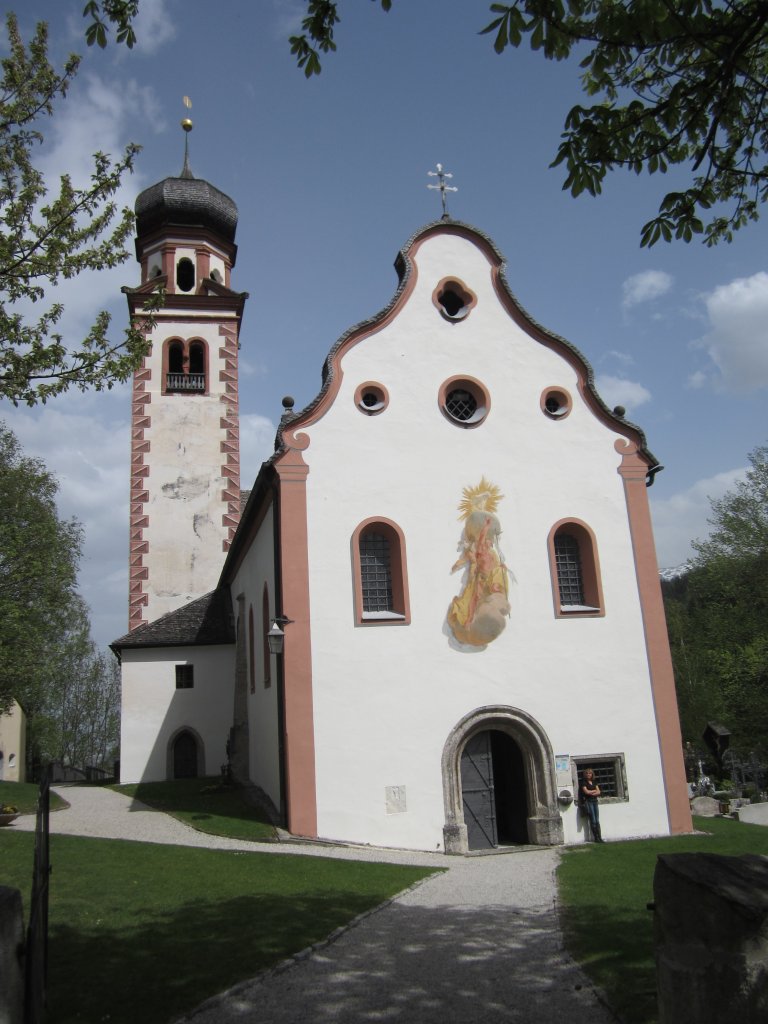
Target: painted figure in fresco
479, 613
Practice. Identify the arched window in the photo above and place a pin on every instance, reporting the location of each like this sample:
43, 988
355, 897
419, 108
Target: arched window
196, 357
251, 651
184, 367
575, 568
380, 573
265, 624
176, 357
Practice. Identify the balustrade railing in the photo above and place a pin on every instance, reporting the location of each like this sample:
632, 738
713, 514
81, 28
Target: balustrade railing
185, 382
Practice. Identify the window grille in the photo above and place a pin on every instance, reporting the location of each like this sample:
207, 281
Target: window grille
569, 575
461, 404
185, 677
375, 573
609, 773
605, 776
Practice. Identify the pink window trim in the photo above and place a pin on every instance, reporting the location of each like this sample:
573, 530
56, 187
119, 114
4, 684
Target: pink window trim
590, 570
398, 566
185, 343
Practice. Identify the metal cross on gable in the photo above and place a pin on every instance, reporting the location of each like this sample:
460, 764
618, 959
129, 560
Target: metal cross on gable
441, 175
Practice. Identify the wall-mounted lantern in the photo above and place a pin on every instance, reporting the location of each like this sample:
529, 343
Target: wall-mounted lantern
276, 634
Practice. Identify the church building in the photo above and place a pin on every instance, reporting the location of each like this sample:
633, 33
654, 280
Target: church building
437, 605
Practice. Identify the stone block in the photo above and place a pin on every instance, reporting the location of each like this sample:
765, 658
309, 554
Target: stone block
754, 814
711, 938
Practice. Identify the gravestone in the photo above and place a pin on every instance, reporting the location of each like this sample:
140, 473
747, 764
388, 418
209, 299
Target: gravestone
705, 806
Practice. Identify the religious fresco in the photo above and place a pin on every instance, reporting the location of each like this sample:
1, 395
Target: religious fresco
479, 613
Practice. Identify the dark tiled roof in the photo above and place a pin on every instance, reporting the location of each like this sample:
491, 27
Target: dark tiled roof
244, 496
188, 202
207, 620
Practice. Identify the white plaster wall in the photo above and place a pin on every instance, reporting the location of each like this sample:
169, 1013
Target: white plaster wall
13, 737
257, 569
217, 263
185, 532
387, 697
153, 710
154, 262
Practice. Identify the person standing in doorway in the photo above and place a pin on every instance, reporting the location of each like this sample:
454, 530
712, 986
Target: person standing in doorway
589, 792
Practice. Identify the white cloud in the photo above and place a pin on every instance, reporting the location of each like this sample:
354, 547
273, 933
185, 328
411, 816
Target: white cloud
86, 447
643, 287
289, 15
697, 380
619, 391
683, 517
257, 443
737, 343
621, 357
155, 26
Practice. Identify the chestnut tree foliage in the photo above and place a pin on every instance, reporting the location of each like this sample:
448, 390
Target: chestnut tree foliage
669, 82
50, 233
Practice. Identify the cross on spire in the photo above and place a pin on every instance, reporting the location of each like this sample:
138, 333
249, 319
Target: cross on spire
441, 175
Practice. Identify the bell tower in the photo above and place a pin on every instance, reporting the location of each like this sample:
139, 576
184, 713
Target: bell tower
185, 434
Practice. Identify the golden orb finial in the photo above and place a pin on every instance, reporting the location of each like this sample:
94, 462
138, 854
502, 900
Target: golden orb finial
186, 122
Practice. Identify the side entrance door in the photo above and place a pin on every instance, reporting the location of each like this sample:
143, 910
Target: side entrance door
185, 756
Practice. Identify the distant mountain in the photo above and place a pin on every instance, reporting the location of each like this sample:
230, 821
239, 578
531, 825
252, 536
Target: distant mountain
675, 571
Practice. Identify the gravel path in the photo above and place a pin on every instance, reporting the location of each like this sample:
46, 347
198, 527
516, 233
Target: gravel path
477, 943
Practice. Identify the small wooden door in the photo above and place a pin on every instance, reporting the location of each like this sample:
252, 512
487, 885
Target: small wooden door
185, 756
477, 790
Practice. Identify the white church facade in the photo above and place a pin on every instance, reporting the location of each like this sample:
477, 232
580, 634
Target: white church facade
454, 538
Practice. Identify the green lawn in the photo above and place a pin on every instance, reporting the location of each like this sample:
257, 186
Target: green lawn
206, 805
143, 932
604, 891
24, 796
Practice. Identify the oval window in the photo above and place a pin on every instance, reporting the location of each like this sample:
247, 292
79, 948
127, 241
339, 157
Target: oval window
371, 398
185, 275
464, 401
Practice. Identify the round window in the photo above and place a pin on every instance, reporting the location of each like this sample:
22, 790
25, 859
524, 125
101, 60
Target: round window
371, 398
555, 403
464, 401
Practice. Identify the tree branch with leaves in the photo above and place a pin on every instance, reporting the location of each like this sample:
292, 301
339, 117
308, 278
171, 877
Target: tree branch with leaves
676, 82
48, 235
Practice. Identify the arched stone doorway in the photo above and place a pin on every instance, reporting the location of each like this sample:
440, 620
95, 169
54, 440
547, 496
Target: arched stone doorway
503, 759
186, 758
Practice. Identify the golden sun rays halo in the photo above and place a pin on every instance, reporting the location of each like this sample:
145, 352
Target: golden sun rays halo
485, 497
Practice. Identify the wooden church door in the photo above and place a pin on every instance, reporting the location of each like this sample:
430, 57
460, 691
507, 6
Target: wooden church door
477, 790
493, 791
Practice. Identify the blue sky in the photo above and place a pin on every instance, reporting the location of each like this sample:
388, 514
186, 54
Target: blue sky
330, 178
